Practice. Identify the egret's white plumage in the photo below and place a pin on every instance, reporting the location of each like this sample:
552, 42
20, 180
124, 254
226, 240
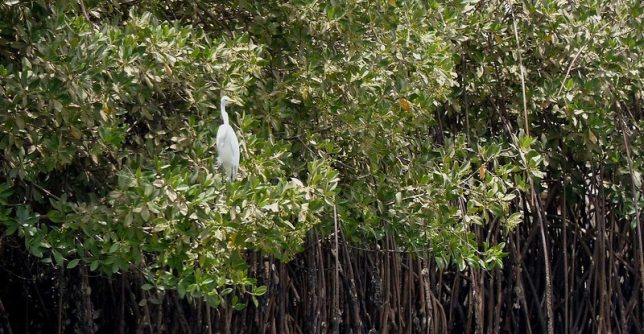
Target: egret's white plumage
227, 144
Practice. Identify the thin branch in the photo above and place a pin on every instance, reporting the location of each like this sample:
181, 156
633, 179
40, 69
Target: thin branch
525, 102
536, 204
336, 285
3, 314
82, 6
572, 62
629, 159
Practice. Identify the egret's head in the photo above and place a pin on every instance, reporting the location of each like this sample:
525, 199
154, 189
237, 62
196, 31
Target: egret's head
225, 100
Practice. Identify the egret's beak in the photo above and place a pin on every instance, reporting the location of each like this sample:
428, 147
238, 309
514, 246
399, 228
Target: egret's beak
236, 102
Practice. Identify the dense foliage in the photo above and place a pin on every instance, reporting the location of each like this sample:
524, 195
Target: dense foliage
419, 122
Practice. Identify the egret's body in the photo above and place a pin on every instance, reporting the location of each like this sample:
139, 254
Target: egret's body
227, 144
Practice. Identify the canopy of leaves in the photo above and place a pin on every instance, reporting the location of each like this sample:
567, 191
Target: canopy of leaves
109, 110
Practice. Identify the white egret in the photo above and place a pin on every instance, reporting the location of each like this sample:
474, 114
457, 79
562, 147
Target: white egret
227, 144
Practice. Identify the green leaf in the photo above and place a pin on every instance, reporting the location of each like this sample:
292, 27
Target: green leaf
260, 290
73, 263
60, 260
94, 265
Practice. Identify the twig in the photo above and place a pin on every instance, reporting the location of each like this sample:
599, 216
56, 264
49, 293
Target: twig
336, 286
61, 290
5, 319
629, 159
82, 6
46, 192
572, 62
535, 200
525, 102
208, 320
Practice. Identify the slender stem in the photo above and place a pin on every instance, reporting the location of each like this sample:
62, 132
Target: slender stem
536, 205
336, 286
629, 159
5, 319
61, 282
82, 6
525, 102
565, 259
581, 49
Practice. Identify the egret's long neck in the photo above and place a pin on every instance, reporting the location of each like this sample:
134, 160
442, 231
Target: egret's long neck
224, 115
